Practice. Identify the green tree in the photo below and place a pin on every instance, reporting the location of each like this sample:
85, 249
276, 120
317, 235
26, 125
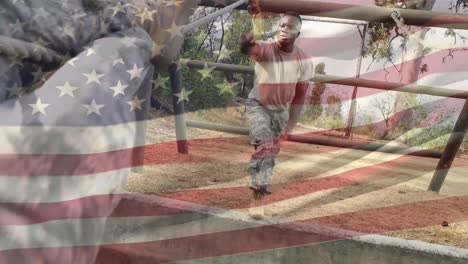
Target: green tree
218, 41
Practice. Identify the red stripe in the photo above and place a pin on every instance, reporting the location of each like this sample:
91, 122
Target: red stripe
132, 205
71, 165
216, 244
405, 216
103, 205
165, 153
117, 205
240, 197
261, 238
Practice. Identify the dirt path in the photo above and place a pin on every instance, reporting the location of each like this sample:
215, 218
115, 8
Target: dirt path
363, 191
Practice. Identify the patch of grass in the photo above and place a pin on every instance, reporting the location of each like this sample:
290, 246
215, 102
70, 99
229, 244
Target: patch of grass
232, 116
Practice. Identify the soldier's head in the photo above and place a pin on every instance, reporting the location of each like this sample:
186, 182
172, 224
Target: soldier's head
289, 28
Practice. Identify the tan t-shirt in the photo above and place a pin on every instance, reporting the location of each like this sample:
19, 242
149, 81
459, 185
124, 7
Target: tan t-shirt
277, 73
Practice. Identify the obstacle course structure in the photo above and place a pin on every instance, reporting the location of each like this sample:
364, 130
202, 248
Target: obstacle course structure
350, 13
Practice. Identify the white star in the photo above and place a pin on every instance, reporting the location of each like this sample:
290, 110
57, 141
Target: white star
175, 30
67, 89
206, 71
93, 77
68, 30
117, 61
93, 108
184, 61
118, 89
146, 15
40, 12
157, 49
224, 87
160, 82
42, 41
225, 53
15, 90
72, 61
135, 104
173, 2
37, 74
15, 64
135, 72
183, 95
16, 27
118, 8
65, 4
179, 64
129, 42
39, 107
89, 51
37, 48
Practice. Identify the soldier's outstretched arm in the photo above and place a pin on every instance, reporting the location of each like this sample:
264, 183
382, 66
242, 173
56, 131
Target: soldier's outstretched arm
248, 45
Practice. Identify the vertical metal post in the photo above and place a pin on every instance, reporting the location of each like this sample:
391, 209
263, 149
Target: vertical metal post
456, 139
175, 74
352, 109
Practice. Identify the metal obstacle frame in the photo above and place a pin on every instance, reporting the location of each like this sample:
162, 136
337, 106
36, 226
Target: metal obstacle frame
350, 13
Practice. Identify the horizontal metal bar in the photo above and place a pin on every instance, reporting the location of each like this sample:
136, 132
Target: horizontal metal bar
218, 3
391, 86
348, 81
323, 140
218, 127
334, 20
379, 147
366, 12
212, 16
221, 66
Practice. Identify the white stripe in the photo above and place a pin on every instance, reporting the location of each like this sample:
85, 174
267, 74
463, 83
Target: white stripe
352, 159
96, 231
71, 140
49, 189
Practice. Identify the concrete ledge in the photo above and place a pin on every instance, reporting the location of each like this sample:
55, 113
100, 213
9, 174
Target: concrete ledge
275, 240
359, 250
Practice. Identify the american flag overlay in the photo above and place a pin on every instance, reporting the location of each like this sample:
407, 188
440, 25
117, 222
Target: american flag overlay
88, 176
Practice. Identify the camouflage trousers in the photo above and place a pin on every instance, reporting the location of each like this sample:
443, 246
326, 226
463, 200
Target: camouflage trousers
266, 128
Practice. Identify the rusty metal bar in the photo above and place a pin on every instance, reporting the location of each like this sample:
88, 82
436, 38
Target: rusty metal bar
349, 81
352, 108
218, 127
212, 16
379, 147
392, 86
175, 75
221, 66
323, 140
456, 139
217, 3
334, 20
365, 12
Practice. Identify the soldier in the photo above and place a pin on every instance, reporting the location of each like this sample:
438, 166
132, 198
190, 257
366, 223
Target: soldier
282, 74
40, 36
